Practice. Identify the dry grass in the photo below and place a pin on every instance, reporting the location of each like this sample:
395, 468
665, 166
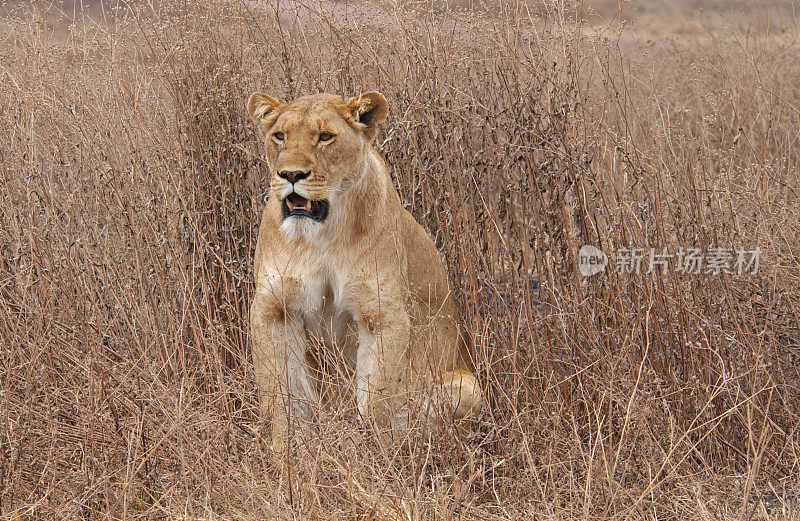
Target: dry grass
129, 202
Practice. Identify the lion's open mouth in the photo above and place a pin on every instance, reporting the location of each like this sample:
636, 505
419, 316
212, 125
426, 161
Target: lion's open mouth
297, 205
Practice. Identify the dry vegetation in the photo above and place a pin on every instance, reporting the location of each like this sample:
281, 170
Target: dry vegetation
129, 202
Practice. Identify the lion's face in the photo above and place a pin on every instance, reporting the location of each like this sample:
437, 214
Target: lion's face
316, 148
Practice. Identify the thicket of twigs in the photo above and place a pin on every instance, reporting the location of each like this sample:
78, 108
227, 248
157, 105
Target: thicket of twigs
129, 204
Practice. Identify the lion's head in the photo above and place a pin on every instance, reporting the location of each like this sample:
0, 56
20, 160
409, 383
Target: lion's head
316, 148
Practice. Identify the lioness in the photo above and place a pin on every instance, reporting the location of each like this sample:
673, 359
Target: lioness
342, 267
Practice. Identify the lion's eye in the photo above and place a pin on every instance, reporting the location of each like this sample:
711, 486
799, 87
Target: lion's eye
278, 136
325, 137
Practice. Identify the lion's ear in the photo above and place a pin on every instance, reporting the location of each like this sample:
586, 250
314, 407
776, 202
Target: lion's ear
263, 109
368, 111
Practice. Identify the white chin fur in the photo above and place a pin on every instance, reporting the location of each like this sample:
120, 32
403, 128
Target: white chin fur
293, 227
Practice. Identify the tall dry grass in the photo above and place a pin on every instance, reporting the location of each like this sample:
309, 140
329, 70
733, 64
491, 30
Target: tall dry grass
129, 204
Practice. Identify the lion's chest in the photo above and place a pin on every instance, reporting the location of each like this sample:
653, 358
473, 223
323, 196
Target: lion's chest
326, 317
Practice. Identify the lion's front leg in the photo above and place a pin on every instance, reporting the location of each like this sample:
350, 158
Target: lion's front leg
285, 389
381, 361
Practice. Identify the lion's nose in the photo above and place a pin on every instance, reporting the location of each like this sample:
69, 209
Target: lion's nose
293, 176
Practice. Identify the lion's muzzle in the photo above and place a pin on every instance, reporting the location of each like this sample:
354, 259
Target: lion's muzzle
295, 205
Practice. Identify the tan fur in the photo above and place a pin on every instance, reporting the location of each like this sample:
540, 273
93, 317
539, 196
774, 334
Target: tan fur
367, 280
